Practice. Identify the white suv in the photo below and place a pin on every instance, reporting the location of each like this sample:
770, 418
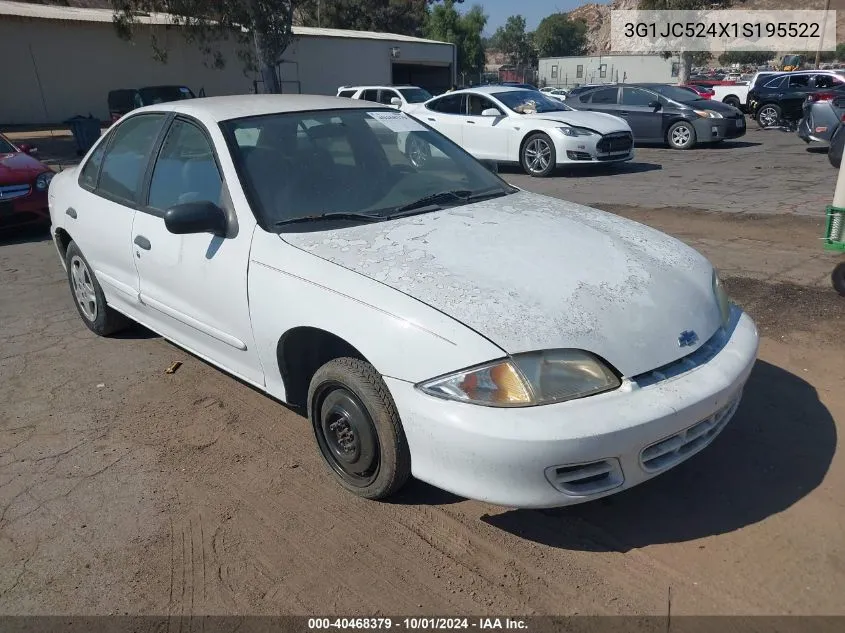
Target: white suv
396, 96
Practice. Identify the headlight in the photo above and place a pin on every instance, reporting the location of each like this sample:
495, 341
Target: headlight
576, 131
708, 114
43, 180
527, 379
722, 299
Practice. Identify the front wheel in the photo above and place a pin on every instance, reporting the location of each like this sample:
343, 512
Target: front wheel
681, 135
538, 155
357, 428
837, 277
88, 295
768, 115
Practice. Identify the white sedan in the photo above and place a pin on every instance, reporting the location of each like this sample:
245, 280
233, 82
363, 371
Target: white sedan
432, 321
527, 127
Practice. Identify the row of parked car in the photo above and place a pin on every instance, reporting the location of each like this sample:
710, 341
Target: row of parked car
540, 131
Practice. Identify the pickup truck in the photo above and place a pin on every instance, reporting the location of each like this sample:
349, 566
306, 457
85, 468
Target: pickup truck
737, 94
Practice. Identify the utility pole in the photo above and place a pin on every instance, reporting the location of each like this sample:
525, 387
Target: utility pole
824, 26
320, 4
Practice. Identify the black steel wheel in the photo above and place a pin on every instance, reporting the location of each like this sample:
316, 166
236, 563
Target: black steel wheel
357, 428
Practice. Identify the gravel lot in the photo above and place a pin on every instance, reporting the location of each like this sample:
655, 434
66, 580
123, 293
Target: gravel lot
127, 490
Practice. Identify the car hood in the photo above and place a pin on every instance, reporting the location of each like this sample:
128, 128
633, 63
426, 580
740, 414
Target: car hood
711, 104
598, 121
530, 272
18, 168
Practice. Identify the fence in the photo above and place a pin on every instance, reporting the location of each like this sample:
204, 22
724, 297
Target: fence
526, 75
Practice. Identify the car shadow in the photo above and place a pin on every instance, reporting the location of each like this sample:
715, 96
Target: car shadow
727, 145
24, 235
817, 149
614, 169
419, 493
135, 332
775, 451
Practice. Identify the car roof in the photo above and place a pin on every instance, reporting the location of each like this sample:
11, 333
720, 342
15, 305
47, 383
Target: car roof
238, 106
488, 90
376, 87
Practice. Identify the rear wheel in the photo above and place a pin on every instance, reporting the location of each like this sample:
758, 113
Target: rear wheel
732, 101
768, 115
538, 155
681, 135
837, 277
88, 295
357, 428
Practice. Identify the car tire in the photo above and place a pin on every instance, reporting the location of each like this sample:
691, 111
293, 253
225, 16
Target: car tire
681, 135
768, 115
357, 428
837, 278
538, 156
88, 295
417, 151
732, 101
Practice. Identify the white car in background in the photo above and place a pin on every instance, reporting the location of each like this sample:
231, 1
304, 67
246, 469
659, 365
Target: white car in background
527, 127
432, 320
397, 96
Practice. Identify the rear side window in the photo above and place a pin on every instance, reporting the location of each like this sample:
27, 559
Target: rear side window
774, 83
347, 94
91, 171
370, 95
127, 156
451, 104
604, 95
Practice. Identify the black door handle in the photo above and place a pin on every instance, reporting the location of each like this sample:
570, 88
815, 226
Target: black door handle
430, 119
473, 122
624, 113
71, 212
143, 242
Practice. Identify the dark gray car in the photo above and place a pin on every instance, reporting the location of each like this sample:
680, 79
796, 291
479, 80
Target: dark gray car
822, 114
660, 113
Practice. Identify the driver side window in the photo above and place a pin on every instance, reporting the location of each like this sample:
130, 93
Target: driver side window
637, 97
185, 170
478, 104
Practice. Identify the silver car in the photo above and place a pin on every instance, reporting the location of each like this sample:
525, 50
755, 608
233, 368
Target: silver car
821, 116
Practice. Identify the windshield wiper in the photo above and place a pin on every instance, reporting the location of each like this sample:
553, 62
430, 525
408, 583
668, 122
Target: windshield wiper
429, 203
331, 216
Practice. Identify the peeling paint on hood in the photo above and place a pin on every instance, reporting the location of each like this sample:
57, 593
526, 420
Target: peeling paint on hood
531, 272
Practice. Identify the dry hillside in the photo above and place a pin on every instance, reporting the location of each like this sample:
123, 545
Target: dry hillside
597, 17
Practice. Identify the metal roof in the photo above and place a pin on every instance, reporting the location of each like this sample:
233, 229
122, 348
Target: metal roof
76, 14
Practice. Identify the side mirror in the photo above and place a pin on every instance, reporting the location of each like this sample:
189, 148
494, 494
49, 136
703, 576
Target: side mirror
491, 112
655, 105
396, 101
195, 217
491, 165
28, 149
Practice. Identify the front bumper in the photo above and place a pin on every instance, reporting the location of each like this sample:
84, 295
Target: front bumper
713, 130
28, 210
607, 148
568, 453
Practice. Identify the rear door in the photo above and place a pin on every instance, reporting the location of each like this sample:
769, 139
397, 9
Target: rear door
103, 207
645, 122
447, 115
194, 287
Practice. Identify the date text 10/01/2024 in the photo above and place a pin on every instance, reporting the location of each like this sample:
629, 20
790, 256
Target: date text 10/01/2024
421, 623
806, 30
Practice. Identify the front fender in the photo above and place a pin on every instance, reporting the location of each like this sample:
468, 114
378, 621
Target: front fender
402, 337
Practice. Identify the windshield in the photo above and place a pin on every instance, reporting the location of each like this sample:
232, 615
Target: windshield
6, 147
530, 101
676, 93
415, 95
163, 94
378, 163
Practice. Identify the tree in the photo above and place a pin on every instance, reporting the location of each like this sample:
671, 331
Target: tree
262, 28
446, 24
750, 58
512, 40
407, 17
687, 57
558, 36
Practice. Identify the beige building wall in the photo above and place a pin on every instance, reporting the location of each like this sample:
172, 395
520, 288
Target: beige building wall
78, 63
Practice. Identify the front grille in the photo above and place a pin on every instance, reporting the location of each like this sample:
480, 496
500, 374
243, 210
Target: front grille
10, 192
581, 480
675, 449
577, 155
616, 142
702, 355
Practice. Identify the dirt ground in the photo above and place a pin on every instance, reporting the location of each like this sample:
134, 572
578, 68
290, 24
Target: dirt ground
127, 490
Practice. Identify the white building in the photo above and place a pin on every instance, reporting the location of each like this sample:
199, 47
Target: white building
566, 72
59, 62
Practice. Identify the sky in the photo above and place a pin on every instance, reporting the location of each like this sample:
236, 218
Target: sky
532, 10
